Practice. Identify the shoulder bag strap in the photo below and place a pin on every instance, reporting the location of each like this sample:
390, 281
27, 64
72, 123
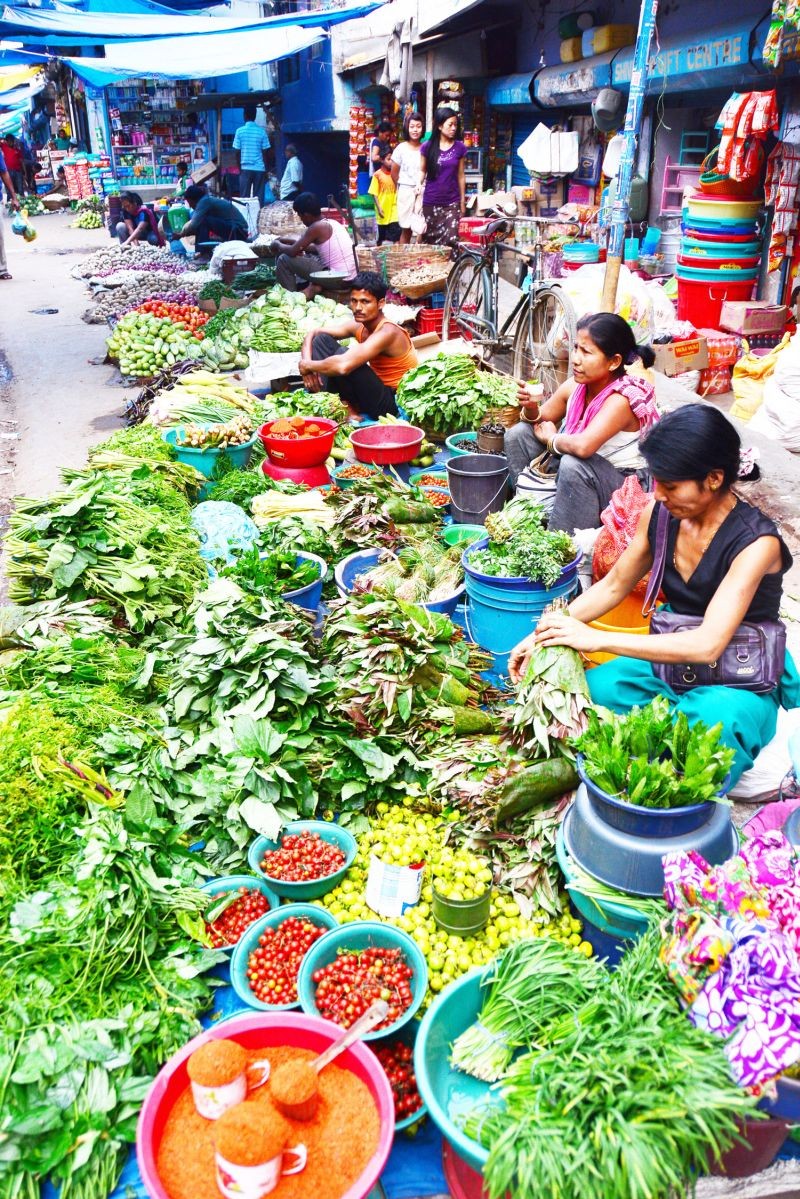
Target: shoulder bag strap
659, 562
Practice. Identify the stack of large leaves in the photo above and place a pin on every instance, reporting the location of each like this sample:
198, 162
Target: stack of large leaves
404, 671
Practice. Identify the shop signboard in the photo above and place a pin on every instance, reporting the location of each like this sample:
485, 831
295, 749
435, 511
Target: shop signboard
716, 58
577, 83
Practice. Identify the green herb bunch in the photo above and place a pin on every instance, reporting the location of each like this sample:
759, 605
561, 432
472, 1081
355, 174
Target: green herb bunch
521, 547
272, 575
452, 392
653, 759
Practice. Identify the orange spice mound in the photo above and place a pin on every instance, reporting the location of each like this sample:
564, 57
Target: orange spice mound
216, 1063
340, 1139
250, 1134
294, 1082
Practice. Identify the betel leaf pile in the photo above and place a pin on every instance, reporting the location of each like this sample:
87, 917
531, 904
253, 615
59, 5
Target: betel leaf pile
655, 760
452, 392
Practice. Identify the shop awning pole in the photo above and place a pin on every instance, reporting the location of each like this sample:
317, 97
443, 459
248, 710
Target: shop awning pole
633, 122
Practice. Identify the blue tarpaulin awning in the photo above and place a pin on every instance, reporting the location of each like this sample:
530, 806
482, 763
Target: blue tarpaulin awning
57, 28
510, 91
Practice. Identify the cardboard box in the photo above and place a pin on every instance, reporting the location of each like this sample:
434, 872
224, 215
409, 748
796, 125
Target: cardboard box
680, 356
201, 173
752, 316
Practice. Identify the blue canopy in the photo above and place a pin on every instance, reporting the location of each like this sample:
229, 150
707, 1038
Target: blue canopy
58, 28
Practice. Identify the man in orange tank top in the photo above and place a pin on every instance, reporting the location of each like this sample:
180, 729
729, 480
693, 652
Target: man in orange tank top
366, 375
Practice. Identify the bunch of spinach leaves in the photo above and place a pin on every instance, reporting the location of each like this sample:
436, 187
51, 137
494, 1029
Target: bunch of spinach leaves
452, 392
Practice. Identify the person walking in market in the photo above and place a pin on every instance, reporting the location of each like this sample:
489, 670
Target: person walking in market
384, 191
292, 178
366, 375
442, 172
251, 143
406, 168
11, 196
15, 161
325, 246
723, 563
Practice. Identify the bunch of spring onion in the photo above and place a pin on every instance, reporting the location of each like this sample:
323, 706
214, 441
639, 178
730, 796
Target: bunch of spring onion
535, 983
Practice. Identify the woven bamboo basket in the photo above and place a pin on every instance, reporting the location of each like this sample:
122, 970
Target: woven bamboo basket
280, 219
507, 416
387, 260
419, 291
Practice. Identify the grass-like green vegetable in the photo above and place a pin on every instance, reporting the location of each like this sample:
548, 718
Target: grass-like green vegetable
534, 983
521, 547
622, 1098
653, 759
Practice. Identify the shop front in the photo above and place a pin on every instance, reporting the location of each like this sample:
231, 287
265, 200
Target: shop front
152, 131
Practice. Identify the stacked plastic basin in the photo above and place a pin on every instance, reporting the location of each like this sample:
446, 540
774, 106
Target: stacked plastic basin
719, 258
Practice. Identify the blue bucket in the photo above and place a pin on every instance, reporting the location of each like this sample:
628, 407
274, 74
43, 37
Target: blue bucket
362, 561
500, 612
308, 597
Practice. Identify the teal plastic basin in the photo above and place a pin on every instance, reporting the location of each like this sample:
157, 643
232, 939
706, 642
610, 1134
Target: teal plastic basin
463, 534
364, 934
205, 460
232, 882
462, 443
449, 1093
249, 941
317, 887
431, 472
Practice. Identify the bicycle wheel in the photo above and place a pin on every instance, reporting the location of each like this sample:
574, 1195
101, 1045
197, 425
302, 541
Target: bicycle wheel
544, 338
468, 302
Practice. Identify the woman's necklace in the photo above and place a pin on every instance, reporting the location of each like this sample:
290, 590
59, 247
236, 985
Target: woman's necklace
708, 540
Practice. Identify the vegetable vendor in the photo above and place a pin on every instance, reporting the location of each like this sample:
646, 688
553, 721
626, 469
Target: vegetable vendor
723, 562
212, 219
139, 222
590, 425
366, 375
325, 246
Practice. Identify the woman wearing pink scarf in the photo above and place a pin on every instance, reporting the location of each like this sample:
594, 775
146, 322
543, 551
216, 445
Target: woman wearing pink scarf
592, 423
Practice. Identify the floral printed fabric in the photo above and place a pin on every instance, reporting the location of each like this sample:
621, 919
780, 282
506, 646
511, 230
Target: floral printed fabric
732, 948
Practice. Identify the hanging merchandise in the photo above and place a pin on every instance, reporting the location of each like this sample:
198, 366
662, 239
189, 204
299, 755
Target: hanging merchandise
783, 35
550, 152
744, 123
783, 193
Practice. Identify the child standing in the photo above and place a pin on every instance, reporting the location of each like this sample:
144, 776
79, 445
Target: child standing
384, 190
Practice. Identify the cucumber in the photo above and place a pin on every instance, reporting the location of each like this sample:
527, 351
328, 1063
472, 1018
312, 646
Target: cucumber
535, 785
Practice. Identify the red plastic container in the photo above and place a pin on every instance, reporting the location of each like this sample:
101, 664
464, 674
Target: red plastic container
467, 226
700, 302
430, 320
764, 1139
312, 476
260, 1030
305, 451
708, 262
387, 444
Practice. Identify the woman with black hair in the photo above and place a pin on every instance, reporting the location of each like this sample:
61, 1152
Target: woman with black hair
406, 166
379, 146
139, 222
591, 424
724, 561
442, 175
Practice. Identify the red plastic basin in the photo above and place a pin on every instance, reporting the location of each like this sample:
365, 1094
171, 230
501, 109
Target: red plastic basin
304, 451
387, 444
312, 476
259, 1030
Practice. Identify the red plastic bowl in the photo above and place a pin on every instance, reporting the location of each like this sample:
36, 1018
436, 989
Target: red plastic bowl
258, 1030
305, 451
387, 444
312, 476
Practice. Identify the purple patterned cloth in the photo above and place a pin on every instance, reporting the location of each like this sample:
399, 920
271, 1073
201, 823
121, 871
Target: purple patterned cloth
732, 948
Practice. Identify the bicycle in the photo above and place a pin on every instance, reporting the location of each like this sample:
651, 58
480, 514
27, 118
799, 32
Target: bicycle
540, 330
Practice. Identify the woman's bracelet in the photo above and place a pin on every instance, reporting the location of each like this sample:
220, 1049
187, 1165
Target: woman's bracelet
551, 445
529, 420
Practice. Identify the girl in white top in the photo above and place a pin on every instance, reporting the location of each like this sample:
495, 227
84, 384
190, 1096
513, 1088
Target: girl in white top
406, 172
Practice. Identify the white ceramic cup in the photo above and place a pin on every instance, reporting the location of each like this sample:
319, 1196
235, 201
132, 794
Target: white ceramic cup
254, 1182
213, 1102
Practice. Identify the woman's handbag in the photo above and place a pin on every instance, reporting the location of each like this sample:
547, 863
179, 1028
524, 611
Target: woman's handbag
538, 481
753, 660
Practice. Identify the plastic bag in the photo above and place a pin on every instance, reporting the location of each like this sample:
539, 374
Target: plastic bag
664, 315
619, 522
229, 249
634, 304
222, 528
779, 414
22, 226
749, 376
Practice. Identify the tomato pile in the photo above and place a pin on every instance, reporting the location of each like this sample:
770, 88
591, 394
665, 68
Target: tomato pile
188, 315
352, 981
273, 966
303, 857
432, 481
294, 428
356, 471
439, 499
230, 924
397, 1060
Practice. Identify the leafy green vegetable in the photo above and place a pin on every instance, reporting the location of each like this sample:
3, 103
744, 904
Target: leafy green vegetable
452, 392
271, 575
215, 290
551, 703
521, 547
654, 760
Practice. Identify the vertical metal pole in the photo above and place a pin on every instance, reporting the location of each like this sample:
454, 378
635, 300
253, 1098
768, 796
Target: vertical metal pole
429, 90
633, 120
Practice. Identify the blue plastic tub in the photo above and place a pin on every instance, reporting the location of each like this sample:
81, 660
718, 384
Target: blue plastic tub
249, 941
216, 887
694, 247
317, 887
362, 561
308, 597
500, 612
709, 275
206, 460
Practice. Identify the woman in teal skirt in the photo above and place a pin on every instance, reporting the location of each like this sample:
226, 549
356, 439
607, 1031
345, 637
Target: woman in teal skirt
725, 563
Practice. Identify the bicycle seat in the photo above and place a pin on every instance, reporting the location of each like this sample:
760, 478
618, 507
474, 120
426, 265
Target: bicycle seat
501, 226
